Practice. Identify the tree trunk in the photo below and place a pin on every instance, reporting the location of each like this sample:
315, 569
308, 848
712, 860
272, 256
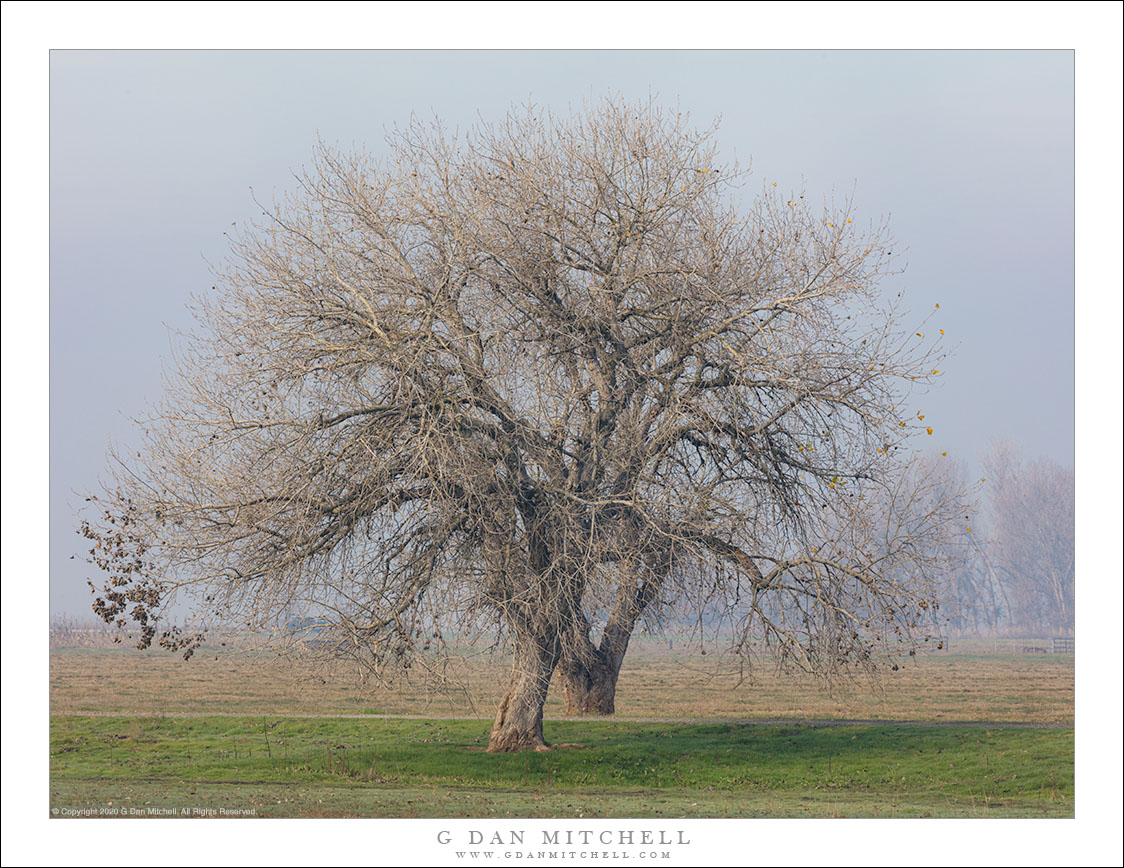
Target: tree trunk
518, 723
590, 688
588, 674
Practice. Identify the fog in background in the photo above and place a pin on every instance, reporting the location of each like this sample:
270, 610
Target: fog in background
970, 154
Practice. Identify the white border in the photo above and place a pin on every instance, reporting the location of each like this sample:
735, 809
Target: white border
1093, 29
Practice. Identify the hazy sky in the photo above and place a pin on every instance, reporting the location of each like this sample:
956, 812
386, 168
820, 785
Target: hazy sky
970, 154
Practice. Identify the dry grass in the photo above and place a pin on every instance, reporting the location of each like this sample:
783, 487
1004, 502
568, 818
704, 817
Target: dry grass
654, 683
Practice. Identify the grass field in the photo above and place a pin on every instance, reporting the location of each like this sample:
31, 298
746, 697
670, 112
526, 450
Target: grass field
419, 768
139, 734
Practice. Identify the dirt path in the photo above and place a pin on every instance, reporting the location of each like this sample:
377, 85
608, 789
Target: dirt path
762, 721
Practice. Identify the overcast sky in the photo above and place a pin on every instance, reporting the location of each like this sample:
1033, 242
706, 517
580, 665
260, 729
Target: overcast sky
970, 154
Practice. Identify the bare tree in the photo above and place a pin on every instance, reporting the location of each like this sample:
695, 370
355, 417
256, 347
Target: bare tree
974, 598
1032, 541
978, 595
538, 381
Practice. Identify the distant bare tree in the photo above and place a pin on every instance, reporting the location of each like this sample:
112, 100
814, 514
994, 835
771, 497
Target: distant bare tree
538, 381
1031, 512
975, 596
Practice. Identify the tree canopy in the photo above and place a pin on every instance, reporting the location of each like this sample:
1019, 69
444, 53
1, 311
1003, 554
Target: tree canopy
541, 379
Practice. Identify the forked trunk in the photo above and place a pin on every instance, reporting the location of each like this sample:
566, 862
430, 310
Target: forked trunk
518, 723
590, 688
588, 674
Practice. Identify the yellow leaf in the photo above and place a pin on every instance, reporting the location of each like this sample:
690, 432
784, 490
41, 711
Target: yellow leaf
929, 431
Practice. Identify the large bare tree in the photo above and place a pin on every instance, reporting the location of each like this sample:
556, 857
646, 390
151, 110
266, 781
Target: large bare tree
539, 380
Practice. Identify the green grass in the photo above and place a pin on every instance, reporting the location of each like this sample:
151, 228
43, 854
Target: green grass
432, 768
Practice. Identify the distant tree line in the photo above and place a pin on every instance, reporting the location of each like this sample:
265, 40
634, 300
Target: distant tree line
1019, 575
